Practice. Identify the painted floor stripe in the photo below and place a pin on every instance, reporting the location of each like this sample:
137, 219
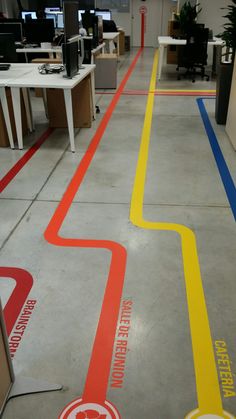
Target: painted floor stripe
207, 385
163, 93
24, 283
100, 362
219, 158
4, 182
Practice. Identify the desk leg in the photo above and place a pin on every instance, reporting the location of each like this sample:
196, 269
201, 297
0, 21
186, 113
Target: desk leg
3, 100
15, 93
28, 108
92, 80
45, 102
111, 43
161, 57
118, 45
69, 114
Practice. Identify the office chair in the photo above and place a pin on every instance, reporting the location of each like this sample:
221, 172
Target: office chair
193, 55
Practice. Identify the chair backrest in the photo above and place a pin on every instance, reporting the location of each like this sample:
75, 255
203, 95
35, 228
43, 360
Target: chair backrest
196, 48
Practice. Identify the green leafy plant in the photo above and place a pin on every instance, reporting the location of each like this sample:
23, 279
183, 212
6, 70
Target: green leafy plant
229, 33
187, 16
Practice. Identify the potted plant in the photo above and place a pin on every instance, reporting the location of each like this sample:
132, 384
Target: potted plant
225, 67
187, 17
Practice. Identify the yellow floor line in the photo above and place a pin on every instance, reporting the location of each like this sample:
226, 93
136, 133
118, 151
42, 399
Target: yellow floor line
207, 384
185, 90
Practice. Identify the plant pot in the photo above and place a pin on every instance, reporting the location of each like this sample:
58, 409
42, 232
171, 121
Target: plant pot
223, 85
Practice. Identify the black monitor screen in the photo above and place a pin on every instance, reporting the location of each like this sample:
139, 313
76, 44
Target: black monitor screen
14, 28
7, 48
52, 3
86, 4
88, 21
71, 58
52, 16
83, 11
71, 24
13, 20
41, 30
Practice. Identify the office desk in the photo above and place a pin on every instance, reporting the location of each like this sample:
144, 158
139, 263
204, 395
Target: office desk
110, 37
94, 51
6, 77
33, 79
56, 50
164, 41
50, 51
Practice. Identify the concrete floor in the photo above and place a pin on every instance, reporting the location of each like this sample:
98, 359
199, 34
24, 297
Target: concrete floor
183, 186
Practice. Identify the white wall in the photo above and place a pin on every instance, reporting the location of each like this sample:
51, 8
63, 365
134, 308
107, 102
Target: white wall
123, 20
211, 14
157, 22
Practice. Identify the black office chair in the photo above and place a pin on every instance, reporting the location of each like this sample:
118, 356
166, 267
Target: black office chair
193, 55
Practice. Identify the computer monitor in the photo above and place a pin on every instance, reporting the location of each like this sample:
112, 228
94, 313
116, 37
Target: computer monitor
51, 9
106, 14
87, 4
52, 16
41, 30
14, 28
60, 21
71, 24
80, 12
71, 58
29, 14
52, 3
90, 23
13, 20
7, 48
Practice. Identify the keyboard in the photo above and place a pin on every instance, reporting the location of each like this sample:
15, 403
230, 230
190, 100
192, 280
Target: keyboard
30, 46
4, 66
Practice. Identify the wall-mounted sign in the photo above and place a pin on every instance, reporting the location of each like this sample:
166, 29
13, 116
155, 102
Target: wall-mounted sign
143, 10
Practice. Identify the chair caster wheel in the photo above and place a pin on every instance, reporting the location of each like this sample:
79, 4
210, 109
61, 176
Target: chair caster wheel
97, 109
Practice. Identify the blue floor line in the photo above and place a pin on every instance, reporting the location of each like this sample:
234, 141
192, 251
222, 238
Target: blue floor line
219, 158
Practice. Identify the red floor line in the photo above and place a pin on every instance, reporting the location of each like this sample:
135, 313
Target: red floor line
4, 182
24, 283
100, 362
